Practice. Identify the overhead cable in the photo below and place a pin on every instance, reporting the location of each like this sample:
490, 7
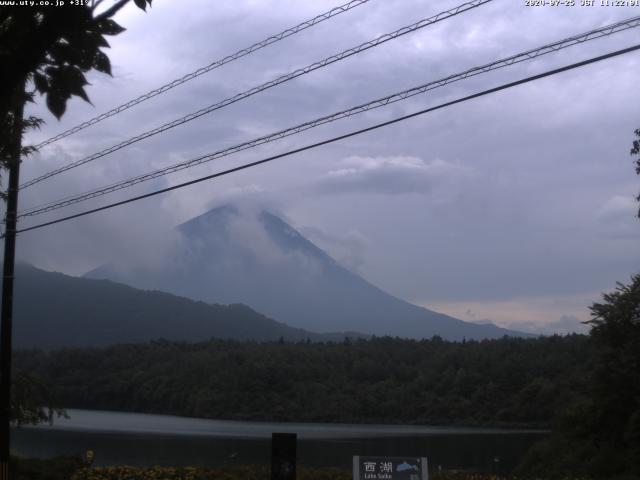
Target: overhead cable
380, 102
341, 137
212, 66
272, 83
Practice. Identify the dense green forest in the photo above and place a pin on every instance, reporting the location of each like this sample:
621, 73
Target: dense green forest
599, 436
585, 388
507, 382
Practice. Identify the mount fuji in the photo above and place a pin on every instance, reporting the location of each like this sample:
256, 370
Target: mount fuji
229, 256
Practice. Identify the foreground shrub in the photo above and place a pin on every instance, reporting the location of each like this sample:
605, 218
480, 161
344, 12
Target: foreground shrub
61, 468
235, 473
201, 473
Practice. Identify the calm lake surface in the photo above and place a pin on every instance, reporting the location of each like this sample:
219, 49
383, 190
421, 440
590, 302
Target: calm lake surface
144, 440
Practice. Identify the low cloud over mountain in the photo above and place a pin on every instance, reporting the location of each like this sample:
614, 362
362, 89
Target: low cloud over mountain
228, 255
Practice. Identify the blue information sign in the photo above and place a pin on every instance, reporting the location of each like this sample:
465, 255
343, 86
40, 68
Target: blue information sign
390, 468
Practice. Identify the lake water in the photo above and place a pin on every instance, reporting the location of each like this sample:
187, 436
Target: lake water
143, 440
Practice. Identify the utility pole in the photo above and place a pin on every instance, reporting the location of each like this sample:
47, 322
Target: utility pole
14, 133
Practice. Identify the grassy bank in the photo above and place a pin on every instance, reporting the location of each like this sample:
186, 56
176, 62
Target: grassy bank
72, 468
235, 473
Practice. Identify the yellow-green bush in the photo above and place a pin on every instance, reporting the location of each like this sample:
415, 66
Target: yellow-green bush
233, 473
192, 473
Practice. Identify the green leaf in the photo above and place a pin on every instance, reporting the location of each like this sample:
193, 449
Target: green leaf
56, 103
74, 81
32, 122
109, 27
62, 53
101, 63
100, 40
41, 82
141, 4
80, 92
64, 82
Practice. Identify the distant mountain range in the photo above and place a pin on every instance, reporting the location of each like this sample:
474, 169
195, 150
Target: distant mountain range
231, 256
53, 310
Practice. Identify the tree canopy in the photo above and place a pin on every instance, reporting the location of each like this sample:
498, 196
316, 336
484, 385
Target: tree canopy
599, 435
508, 382
48, 49
635, 150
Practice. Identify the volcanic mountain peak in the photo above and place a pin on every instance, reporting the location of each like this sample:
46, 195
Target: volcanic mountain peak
233, 255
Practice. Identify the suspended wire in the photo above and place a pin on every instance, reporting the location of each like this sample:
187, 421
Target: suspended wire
272, 83
620, 26
212, 66
341, 137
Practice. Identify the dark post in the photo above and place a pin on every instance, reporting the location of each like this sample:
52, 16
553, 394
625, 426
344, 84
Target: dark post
6, 314
283, 456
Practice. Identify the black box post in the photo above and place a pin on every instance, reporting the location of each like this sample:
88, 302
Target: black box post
283, 456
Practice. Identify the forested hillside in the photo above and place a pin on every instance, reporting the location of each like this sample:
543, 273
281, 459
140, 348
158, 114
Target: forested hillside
53, 310
507, 382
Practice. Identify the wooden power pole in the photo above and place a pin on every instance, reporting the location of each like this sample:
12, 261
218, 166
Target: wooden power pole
14, 135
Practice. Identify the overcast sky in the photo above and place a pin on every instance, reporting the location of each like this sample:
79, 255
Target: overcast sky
516, 207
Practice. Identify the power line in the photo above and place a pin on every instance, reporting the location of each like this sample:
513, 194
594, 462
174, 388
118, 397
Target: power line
341, 137
395, 97
212, 66
272, 83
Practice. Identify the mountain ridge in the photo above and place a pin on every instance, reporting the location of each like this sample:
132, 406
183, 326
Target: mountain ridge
54, 310
228, 256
